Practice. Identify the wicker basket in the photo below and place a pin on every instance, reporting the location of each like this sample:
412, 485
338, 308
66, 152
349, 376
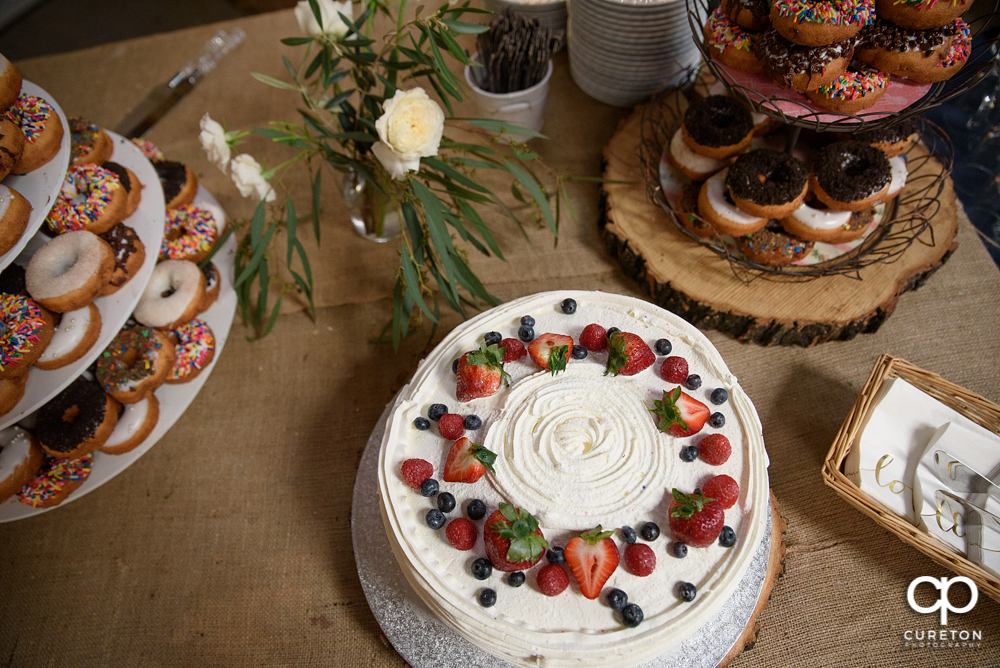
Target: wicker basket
969, 404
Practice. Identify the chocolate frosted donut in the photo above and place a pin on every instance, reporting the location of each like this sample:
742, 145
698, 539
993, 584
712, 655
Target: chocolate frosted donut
802, 68
718, 127
88, 142
752, 15
11, 145
129, 253
893, 140
772, 245
178, 181
77, 421
850, 176
923, 56
130, 183
767, 183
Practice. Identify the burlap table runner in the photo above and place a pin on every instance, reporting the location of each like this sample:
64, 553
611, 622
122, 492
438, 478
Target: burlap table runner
229, 543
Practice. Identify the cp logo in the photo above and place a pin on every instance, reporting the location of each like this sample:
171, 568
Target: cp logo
943, 604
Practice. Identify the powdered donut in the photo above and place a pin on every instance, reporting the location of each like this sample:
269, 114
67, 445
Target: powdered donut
129, 253
20, 459
130, 182
25, 331
73, 337
850, 176
715, 207
853, 91
802, 68
190, 232
921, 14
77, 421
10, 83
11, 391
923, 56
149, 149
194, 349
173, 296
15, 211
820, 22
767, 183
88, 143
135, 363
134, 425
178, 181
43, 132
773, 246
730, 44
91, 198
693, 165
70, 271
11, 145
55, 481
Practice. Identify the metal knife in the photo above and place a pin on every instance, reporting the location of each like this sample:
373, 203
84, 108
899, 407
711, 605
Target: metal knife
162, 98
962, 478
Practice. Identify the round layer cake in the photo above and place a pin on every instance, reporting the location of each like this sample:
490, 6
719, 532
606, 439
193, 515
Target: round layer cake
576, 448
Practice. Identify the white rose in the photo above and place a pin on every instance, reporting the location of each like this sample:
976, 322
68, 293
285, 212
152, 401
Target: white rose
213, 140
410, 128
333, 25
248, 178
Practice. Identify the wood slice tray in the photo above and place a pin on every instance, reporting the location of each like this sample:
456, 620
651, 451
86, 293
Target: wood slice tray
690, 280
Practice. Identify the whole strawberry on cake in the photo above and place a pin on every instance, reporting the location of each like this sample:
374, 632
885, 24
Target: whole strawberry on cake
549, 496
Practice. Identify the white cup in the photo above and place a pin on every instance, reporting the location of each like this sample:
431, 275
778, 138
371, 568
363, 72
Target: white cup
524, 108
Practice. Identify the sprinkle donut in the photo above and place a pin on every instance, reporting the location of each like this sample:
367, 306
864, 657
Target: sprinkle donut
802, 68
717, 127
25, 331
89, 144
752, 15
77, 421
850, 176
43, 132
178, 181
730, 44
173, 296
194, 346
923, 56
773, 246
820, 22
717, 208
134, 425
212, 284
91, 198
20, 459
190, 232
76, 333
921, 14
15, 211
129, 253
686, 209
851, 92
135, 363
11, 145
70, 271
149, 149
55, 481
767, 183
10, 83
130, 183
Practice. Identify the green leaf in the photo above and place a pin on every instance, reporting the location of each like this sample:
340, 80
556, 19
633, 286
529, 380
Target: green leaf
453, 48
531, 186
218, 246
441, 94
557, 359
296, 41
569, 204
484, 456
315, 204
308, 292
314, 6
271, 81
471, 283
438, 232
617, 358
414, 230
473, 216
336, 100
413, 282
504, 127
264, 281
461, 28
397, 313
274, 317
453, 174
257, 225
259, 249
444, 73
289, 66
516, 192
456, 223
390, 87
316, 62
668, 412
290, 223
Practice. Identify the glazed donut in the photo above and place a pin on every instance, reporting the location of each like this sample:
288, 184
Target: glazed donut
820, 22
717, 127
752, 15
893, 140
730, 44
715, 207
74, 336
767, 183
55, 480
813, 222
211, 285
687, 211
89, 144
130, 182
91, 198
10, 83
897, 165
129, 253
194, 348
149, 149
20, 460
43, 132
693, 165
70, 271
851, 92
173, 296
921, 14
11, 145
178, 181
802, 68
134, 425
190, 232
135, 363
15, 211
11, 391
773, 246
25, 331
923, 56
77, 421
850, 176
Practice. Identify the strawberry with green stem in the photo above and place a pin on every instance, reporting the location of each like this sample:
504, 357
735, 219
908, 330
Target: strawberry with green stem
679, 414
480, 373
513, 540
468, 461
592, 557
628, 354
695, 519
550, 351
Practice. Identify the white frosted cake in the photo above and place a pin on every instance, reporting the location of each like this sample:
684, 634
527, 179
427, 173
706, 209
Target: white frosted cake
576, 449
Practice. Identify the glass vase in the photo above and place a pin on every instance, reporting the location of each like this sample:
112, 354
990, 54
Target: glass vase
372, 212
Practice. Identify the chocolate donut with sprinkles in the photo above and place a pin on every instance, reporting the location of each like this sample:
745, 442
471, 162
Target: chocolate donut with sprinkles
194, 349
730, 44
921, 14
190, 232
91, 198
802, 68
773, 246
89, 144
179, 183
850, 176
77, 421
135, 363
43, 132
55, 481
11, 145
820, 22
923, 56
25, 330
129, 253
855, 90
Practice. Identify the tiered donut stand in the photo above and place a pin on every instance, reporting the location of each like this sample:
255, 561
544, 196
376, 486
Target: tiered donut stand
41, 187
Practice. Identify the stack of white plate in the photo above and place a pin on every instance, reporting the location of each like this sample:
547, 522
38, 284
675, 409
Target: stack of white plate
623, 51
550, 13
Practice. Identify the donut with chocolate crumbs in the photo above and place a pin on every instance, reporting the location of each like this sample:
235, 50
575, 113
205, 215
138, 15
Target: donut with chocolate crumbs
767, 183
76, 421
813, 221
129, 253
718, 127
11, 391
773, 246
135, 423
149, 149
75, 334
212, 284
178, 181
91, 198
802, 68
686, 210
88, 143
893, 140
20, 459
194, 349
730, 44
43, 132
25, 330
55, 480
855, 90
135, 363
922, 56
717, 208
11, 145
15, 210
751, 15
820, 22
850, 176
10, 83
130, 182
921, 14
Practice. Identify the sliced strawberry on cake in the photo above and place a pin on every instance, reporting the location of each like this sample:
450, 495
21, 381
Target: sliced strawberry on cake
695, 519
480, 373
628, 354
680, 414
549, 351
513, 540
467, 462
592, 557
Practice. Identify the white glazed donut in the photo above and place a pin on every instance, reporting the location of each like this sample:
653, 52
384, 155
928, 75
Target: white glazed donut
723, 215
76, 333
20, 459
10, 83
173, 296
899, 173
134, 425
70, 271
695, 166
827, 225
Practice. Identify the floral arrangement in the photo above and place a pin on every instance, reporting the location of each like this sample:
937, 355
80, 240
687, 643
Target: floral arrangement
364, 116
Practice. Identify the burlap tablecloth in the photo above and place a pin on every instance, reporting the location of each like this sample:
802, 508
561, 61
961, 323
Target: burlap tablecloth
229, 543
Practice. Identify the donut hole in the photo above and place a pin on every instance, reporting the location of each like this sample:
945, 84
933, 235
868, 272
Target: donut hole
71, 413
169, 291
129, 357
64, 265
